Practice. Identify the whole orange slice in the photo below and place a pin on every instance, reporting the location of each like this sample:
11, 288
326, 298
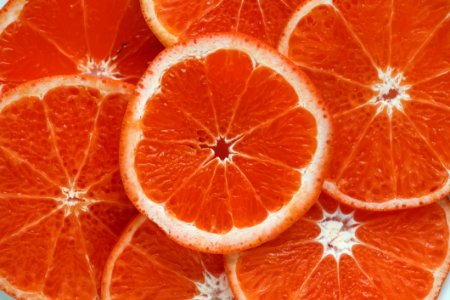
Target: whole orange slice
98, 37
177, 20
335, 252
384, 74
225, 144
146, 264
62, 204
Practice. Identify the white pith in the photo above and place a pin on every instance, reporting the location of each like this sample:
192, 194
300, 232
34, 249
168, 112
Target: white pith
237, 238
123, 242
74, 203
213, 288
337, 233
10, 13
40, 87
440, 273
390, 81
161, 32
105, 68
283, 45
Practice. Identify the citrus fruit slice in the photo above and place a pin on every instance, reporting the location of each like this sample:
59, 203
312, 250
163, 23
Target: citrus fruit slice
225, 144
98, 37
146, 264
335, 252
62, 204
384, 74
173, 21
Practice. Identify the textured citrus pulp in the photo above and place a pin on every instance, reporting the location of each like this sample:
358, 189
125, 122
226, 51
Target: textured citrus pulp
146, 264
174, 20
384, 74
98, 37
335, 252
225, 144
62, 204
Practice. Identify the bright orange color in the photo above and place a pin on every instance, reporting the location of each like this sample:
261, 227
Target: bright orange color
225, 141
395, 256
62, 204
146, 264
384, 73
98, 37
174, 20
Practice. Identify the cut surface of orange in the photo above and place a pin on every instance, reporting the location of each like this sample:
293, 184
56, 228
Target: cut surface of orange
62, 204
146, 264
336, 252
225, 144
97, 37
384, 74
175, 20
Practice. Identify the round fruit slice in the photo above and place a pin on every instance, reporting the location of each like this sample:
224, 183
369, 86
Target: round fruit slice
385, 76
97, 37
335, 252
225, 144
146, 264
173, 20
62, 204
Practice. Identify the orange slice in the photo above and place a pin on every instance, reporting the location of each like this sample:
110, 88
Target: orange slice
384, 74
225, 144
98, 37
146, 264
335, 252
62, 204
173, 21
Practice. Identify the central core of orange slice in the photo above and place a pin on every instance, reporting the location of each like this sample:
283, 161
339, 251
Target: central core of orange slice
213, 287
390, 90
222, 149
74, 202
337, 233
104, 68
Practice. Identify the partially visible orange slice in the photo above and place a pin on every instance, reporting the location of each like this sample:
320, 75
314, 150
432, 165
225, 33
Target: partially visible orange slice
335, 252
225, 144
62, 204
146, 264
177, 20
385, 76
98, 37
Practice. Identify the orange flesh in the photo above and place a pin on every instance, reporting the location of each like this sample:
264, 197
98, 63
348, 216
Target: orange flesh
262, 19
58, 38
382, 152
151, 266
201, 108
66, 141
394, 257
